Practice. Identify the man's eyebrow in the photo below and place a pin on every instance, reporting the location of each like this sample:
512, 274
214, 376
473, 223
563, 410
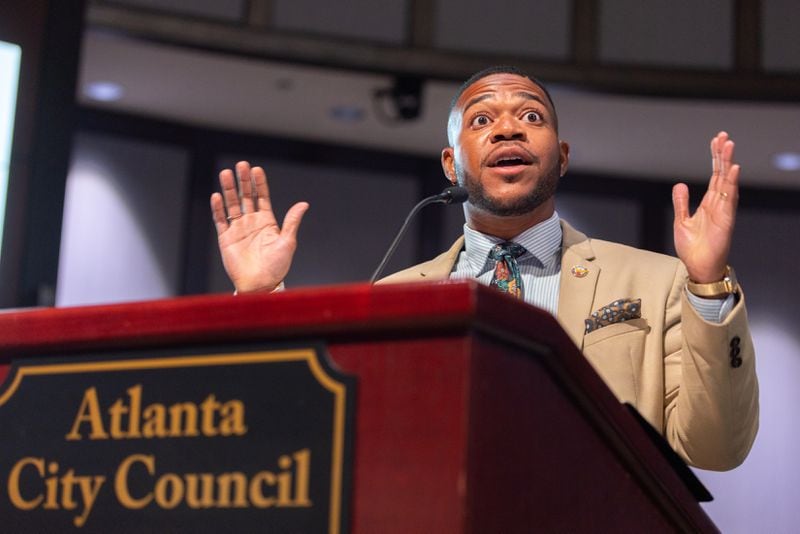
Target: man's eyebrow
476, 100
530, 96
519, 94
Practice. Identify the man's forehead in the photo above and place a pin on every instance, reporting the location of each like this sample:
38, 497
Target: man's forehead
492, 84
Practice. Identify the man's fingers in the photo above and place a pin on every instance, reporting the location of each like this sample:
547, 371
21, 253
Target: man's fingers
262, 189
230, 194
732, 178
726, 156
716, 164
721, 160
291, 223
218, 213
680, 202
729, 187
725, 187
714, 161
726, 148
245, 186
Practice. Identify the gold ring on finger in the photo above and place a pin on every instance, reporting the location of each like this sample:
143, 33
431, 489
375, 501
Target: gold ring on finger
233, 217
723, 195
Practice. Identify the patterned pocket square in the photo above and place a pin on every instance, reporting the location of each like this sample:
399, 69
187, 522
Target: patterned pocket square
618, 311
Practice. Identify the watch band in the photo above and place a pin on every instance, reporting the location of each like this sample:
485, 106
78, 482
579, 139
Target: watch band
726, 286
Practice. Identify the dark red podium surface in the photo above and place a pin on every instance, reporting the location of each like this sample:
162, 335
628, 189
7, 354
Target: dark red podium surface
475, 413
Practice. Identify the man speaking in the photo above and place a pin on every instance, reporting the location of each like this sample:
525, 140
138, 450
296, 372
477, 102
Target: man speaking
667, 335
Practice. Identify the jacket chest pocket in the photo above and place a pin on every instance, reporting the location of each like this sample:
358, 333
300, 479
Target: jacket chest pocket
616, 352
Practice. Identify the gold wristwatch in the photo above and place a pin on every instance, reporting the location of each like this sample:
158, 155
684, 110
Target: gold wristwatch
723, 288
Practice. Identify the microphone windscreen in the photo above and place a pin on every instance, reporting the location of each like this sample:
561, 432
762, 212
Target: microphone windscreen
456, 194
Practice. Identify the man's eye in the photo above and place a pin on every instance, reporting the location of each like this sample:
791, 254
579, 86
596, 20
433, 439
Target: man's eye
533, 116
480, 120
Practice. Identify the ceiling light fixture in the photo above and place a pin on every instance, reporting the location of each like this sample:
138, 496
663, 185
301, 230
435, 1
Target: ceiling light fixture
104, 91
787, 161
402, 102
345, 113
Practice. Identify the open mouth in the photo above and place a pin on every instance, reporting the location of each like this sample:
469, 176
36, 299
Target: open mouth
509, 162
510, 157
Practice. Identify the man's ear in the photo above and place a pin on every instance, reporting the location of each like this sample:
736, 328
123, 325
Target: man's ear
449, 165
563, 158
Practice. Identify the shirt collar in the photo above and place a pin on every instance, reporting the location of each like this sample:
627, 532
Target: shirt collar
542, 242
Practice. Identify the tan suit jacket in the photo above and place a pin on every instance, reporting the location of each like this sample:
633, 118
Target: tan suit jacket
677, 369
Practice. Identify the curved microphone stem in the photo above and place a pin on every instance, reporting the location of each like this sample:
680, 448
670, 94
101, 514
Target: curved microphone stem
451, 194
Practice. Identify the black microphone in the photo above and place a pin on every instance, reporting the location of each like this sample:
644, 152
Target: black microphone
452, 194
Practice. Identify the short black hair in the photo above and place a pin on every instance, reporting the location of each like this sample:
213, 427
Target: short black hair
502, 69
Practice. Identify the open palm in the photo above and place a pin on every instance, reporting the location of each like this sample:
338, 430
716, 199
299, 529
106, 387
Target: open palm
703, 240
256, 252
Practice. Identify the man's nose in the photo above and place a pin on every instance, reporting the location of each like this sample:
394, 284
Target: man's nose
508, 129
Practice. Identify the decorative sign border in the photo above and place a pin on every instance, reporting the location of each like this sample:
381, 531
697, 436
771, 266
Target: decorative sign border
339, 439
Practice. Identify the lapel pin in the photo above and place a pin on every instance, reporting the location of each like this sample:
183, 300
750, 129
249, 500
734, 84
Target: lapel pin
579, 271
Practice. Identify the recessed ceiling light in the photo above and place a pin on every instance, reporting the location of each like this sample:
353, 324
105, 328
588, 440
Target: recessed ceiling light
787, 161
346, 113
104, 91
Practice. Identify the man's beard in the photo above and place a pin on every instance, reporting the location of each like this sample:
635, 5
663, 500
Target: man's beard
544, 190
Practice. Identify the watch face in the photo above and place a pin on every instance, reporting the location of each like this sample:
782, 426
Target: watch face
730, 280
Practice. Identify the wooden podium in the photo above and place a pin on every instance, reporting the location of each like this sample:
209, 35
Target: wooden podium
474, 412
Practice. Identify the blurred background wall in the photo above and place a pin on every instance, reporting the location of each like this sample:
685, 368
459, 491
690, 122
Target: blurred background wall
128, 109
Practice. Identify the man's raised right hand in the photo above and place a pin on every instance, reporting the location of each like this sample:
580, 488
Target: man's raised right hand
256, 252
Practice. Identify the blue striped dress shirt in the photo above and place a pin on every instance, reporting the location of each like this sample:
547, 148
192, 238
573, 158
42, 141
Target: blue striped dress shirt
540, 266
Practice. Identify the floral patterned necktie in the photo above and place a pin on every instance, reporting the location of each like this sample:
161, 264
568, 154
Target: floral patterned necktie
506, 271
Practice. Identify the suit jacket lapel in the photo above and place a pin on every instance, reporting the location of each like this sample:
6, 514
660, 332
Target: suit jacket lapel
439, 268
576, 291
